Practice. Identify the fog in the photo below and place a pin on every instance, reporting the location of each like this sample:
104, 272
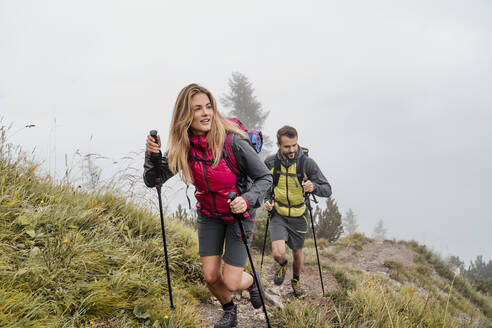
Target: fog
392, 99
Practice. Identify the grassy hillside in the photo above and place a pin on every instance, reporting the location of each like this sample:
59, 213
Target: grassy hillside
76, 259
411, 288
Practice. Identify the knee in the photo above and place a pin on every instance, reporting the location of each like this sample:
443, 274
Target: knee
277, 253
297, 252
211, 277
231, 284
277, 256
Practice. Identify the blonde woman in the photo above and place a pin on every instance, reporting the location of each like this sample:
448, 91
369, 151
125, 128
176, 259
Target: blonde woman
198, 139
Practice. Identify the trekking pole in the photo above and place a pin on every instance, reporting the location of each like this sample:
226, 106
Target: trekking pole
269, 216
156, 160
239, 218
308, 203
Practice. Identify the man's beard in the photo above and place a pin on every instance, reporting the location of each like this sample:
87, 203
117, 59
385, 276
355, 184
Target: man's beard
290, 156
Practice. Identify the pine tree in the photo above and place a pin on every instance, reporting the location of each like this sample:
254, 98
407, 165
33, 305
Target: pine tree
244, 105
329, 221
379, 231
349, 222
480, 275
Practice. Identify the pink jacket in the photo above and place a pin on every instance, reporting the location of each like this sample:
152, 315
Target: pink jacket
212, 184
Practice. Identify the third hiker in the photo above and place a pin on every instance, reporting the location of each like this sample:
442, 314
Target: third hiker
289, 222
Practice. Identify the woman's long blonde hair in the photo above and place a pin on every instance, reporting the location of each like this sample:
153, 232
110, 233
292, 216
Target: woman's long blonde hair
179, 142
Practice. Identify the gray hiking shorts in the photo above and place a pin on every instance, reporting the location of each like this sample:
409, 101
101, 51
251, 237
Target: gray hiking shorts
291, 229
212, 233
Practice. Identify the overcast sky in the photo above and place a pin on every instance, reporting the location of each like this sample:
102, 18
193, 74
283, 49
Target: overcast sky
392, 98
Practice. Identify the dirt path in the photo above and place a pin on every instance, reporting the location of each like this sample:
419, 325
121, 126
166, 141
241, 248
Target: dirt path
276, 296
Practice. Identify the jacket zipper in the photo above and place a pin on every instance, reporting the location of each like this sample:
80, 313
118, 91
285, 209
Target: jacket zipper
205, 174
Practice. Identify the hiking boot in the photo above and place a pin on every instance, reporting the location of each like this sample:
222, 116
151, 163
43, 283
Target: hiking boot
229, 318
254, 291
299, 292
279, 277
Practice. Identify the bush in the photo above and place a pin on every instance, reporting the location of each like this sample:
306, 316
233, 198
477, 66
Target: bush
321, 242
355, 240
483, 285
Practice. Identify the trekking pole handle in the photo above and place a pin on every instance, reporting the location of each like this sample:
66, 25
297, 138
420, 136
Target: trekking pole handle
305, 179
156, 158
308, 200
270, 199
232, 195
153, 134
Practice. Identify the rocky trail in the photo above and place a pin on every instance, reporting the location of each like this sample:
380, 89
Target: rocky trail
276, 296
371, 258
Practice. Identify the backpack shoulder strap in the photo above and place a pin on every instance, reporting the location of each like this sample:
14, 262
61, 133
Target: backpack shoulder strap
228, 155
300, 171
276, 170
